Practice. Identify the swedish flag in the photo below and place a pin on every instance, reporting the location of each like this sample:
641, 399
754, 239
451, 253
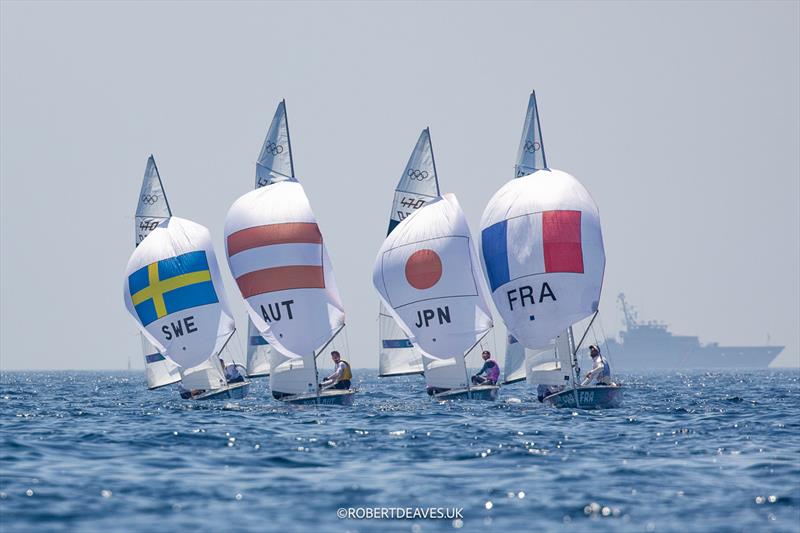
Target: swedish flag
171, 285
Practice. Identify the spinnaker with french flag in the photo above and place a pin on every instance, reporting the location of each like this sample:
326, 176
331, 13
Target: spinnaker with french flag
542, 246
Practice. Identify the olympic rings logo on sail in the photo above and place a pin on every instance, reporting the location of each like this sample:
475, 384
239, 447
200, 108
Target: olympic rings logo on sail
532, 146
150, 199
273, 148
418, 175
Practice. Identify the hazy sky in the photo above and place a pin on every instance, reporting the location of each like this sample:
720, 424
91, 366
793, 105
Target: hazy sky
682, 120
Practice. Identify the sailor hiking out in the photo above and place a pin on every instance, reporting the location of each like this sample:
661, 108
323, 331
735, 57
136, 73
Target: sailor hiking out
601, 371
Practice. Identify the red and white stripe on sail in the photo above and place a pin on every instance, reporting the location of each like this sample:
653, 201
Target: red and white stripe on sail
288, 256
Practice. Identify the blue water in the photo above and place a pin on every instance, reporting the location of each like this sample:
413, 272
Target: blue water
698, 451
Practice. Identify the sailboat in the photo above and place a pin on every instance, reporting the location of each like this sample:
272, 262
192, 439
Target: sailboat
277, 256
152, 209
429, 280
418, 186
542, 248
174, 292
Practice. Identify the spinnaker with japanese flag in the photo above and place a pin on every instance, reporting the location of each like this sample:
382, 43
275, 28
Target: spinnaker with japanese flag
542, 250
418, 186
277, 256
428, 276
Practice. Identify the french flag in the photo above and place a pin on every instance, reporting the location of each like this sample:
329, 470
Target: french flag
277, 257
536, 243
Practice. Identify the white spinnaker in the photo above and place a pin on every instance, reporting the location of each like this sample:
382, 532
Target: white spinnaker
275, 160
398, 357
276, 254
428, 277
258, 352
174, 292
542, 249
152, 209
551, 365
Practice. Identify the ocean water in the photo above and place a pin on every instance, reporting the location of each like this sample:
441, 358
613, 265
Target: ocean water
688, 451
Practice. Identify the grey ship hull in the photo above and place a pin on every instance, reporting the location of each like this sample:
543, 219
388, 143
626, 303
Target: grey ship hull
676, 355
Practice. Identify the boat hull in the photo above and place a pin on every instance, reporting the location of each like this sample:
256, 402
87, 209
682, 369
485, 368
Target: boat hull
597, 397
234, 391
479, 392
326, 397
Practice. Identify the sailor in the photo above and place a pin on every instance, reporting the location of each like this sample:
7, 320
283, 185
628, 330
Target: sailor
601, 371
491, 368
232, 374
341, 376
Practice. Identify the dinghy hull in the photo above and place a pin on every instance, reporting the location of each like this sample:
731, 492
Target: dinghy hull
326, 397
598, 397
234, 391
480, 392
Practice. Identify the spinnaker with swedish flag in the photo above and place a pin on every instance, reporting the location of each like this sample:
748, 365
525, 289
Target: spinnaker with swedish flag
174, 292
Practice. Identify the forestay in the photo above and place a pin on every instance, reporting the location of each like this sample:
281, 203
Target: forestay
428, 276
152, 209
174, 292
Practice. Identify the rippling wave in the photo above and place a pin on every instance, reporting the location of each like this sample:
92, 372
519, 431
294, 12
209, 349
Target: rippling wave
693, 451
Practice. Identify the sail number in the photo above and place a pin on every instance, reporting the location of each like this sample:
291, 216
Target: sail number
410, 204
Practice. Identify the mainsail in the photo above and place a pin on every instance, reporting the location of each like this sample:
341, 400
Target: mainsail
428, 277
274, 164
542, 246
276, 254
174, 292
151, 210
418, 186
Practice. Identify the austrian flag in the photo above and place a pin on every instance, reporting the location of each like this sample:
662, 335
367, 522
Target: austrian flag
536, 243
288, 256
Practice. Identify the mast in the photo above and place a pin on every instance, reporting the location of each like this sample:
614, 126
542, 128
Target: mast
288, 136
433, 161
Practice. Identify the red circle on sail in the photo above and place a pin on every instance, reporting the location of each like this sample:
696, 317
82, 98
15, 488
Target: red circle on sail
423, 269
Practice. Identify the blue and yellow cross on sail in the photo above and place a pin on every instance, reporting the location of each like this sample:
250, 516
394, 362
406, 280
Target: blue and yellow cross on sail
174, 292
171, 285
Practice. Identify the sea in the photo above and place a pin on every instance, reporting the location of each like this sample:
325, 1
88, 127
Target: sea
688, 451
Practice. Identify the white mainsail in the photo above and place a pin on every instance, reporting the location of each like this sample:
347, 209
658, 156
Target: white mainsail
428, 277
418, 186
258, 352
542, 246
151, 210
174, 292
276, 254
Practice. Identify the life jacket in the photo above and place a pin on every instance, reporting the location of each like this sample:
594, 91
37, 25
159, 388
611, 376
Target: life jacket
606, 373
493, 373
346, 373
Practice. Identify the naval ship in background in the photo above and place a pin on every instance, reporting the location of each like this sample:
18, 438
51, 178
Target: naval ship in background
651, 345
